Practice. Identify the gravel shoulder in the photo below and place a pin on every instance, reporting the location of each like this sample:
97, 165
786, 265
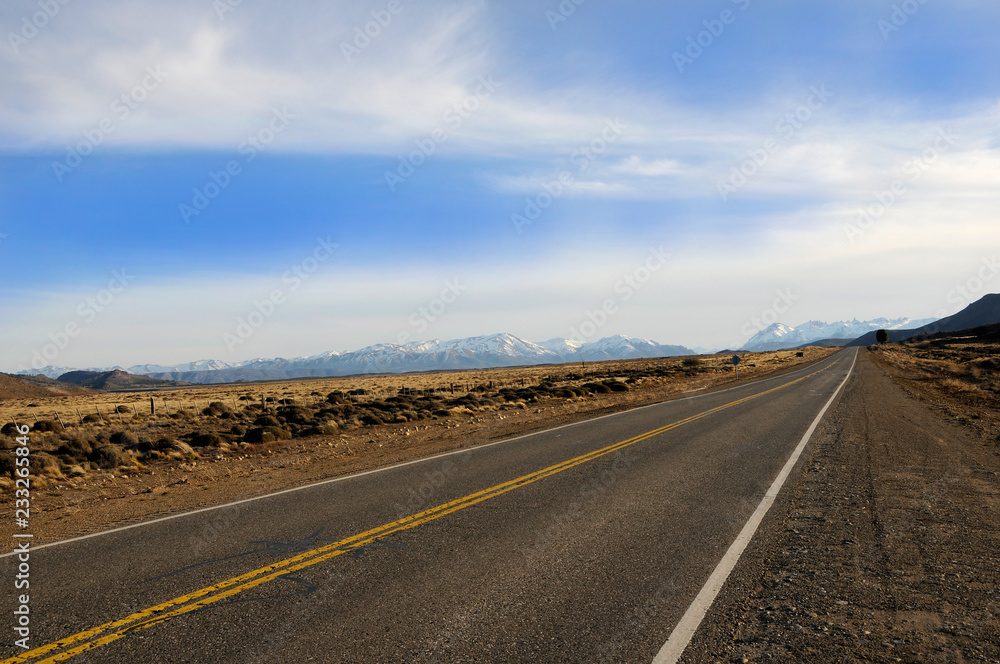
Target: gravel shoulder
883, 546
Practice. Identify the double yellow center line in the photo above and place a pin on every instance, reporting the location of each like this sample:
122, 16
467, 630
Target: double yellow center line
90, 639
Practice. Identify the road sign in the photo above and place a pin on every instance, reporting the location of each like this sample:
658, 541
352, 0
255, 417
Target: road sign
736, 365
736, 359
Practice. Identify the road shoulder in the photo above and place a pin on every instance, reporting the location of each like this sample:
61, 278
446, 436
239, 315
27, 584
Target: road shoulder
882, 547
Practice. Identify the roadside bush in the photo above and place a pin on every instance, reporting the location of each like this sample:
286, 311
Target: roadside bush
9, 430
597, 388
267, 421
46, 425
76, 449
616, 386
219, 409
92, 418
296, 415
110, 456
8, 462
259, 435
325, 429
124, 438
206, 439
43, 463
371, 420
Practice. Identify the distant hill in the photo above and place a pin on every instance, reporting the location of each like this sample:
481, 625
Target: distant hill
25, 387
114, 381
984, 311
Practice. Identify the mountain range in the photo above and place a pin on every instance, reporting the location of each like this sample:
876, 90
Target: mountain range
507, 350
778, 336
496, 350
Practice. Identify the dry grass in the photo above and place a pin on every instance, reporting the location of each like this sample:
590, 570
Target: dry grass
958, 375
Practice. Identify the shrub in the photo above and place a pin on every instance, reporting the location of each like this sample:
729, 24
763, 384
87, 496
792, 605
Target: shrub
206, 439
91, 418
616, 386
259, 435
218, 409
46, 425
125, 438
9, 430
8, 462
597, 388
691, 362
77, 449
43, 463
326, 429
370, 419
111, 456
296, 415
267, 421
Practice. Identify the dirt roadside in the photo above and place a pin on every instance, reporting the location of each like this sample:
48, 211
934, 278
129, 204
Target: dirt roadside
883, 546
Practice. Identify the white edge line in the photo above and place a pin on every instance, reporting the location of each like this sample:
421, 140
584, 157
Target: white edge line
681, 636
392, 467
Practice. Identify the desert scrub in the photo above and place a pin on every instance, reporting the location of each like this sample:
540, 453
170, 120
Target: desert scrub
258, 435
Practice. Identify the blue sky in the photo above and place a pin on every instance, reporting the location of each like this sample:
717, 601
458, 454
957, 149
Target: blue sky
628, 136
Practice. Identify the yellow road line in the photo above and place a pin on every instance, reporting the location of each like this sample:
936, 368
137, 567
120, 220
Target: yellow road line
112, 631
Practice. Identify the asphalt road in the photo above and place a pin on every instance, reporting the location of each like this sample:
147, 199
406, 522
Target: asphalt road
584, 543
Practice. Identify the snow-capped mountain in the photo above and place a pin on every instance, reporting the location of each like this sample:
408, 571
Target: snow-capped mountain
495, 350
778, 335
618, 347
